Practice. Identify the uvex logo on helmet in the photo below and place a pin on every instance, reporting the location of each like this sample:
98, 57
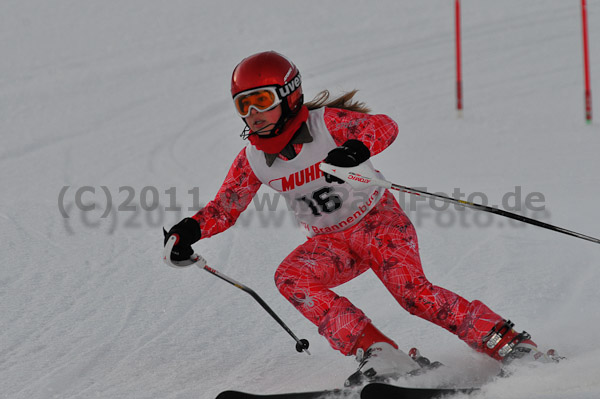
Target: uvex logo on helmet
289, 87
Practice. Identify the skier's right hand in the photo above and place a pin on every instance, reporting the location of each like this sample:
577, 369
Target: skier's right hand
187, 232
352, 153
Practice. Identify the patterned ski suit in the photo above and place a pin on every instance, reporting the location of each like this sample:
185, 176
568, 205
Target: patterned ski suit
384, 240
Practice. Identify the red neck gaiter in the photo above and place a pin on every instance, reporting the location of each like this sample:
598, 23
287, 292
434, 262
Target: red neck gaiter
274, 145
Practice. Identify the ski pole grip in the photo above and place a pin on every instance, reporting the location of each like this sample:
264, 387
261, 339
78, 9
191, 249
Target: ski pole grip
359, 177
194, 259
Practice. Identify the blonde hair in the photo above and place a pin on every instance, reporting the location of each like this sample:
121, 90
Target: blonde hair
345, 101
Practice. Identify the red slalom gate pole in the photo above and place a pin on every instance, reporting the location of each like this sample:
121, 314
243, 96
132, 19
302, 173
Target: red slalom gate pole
459, 91
586, 64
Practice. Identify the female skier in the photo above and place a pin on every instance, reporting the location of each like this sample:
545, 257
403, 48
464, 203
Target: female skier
349, 231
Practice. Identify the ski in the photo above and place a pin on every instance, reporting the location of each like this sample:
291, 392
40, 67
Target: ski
377, 390
374, 390
326, 394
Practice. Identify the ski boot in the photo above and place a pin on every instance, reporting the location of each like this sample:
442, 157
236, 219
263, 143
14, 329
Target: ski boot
381, 362
503, 343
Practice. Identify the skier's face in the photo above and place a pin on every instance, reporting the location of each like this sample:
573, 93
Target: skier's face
257, 121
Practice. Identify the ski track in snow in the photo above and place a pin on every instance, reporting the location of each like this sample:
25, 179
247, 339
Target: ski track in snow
137, 96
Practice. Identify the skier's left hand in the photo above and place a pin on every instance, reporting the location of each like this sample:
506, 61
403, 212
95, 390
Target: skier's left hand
187, 232
351, 153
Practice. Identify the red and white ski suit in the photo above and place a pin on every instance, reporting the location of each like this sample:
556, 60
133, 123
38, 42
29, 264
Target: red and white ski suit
384, 241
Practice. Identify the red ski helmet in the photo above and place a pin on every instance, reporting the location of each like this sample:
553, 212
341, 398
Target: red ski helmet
270, 69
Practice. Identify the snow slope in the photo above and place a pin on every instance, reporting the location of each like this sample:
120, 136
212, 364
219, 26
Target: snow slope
131, 99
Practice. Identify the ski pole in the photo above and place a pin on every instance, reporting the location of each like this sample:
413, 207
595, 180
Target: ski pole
361, 177
301, 344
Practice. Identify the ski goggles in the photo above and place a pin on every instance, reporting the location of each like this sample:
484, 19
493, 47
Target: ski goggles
262, 99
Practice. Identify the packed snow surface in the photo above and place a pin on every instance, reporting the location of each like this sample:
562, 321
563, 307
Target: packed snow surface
116, 120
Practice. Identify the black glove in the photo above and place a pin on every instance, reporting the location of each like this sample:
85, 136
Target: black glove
188, 231
351, 153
